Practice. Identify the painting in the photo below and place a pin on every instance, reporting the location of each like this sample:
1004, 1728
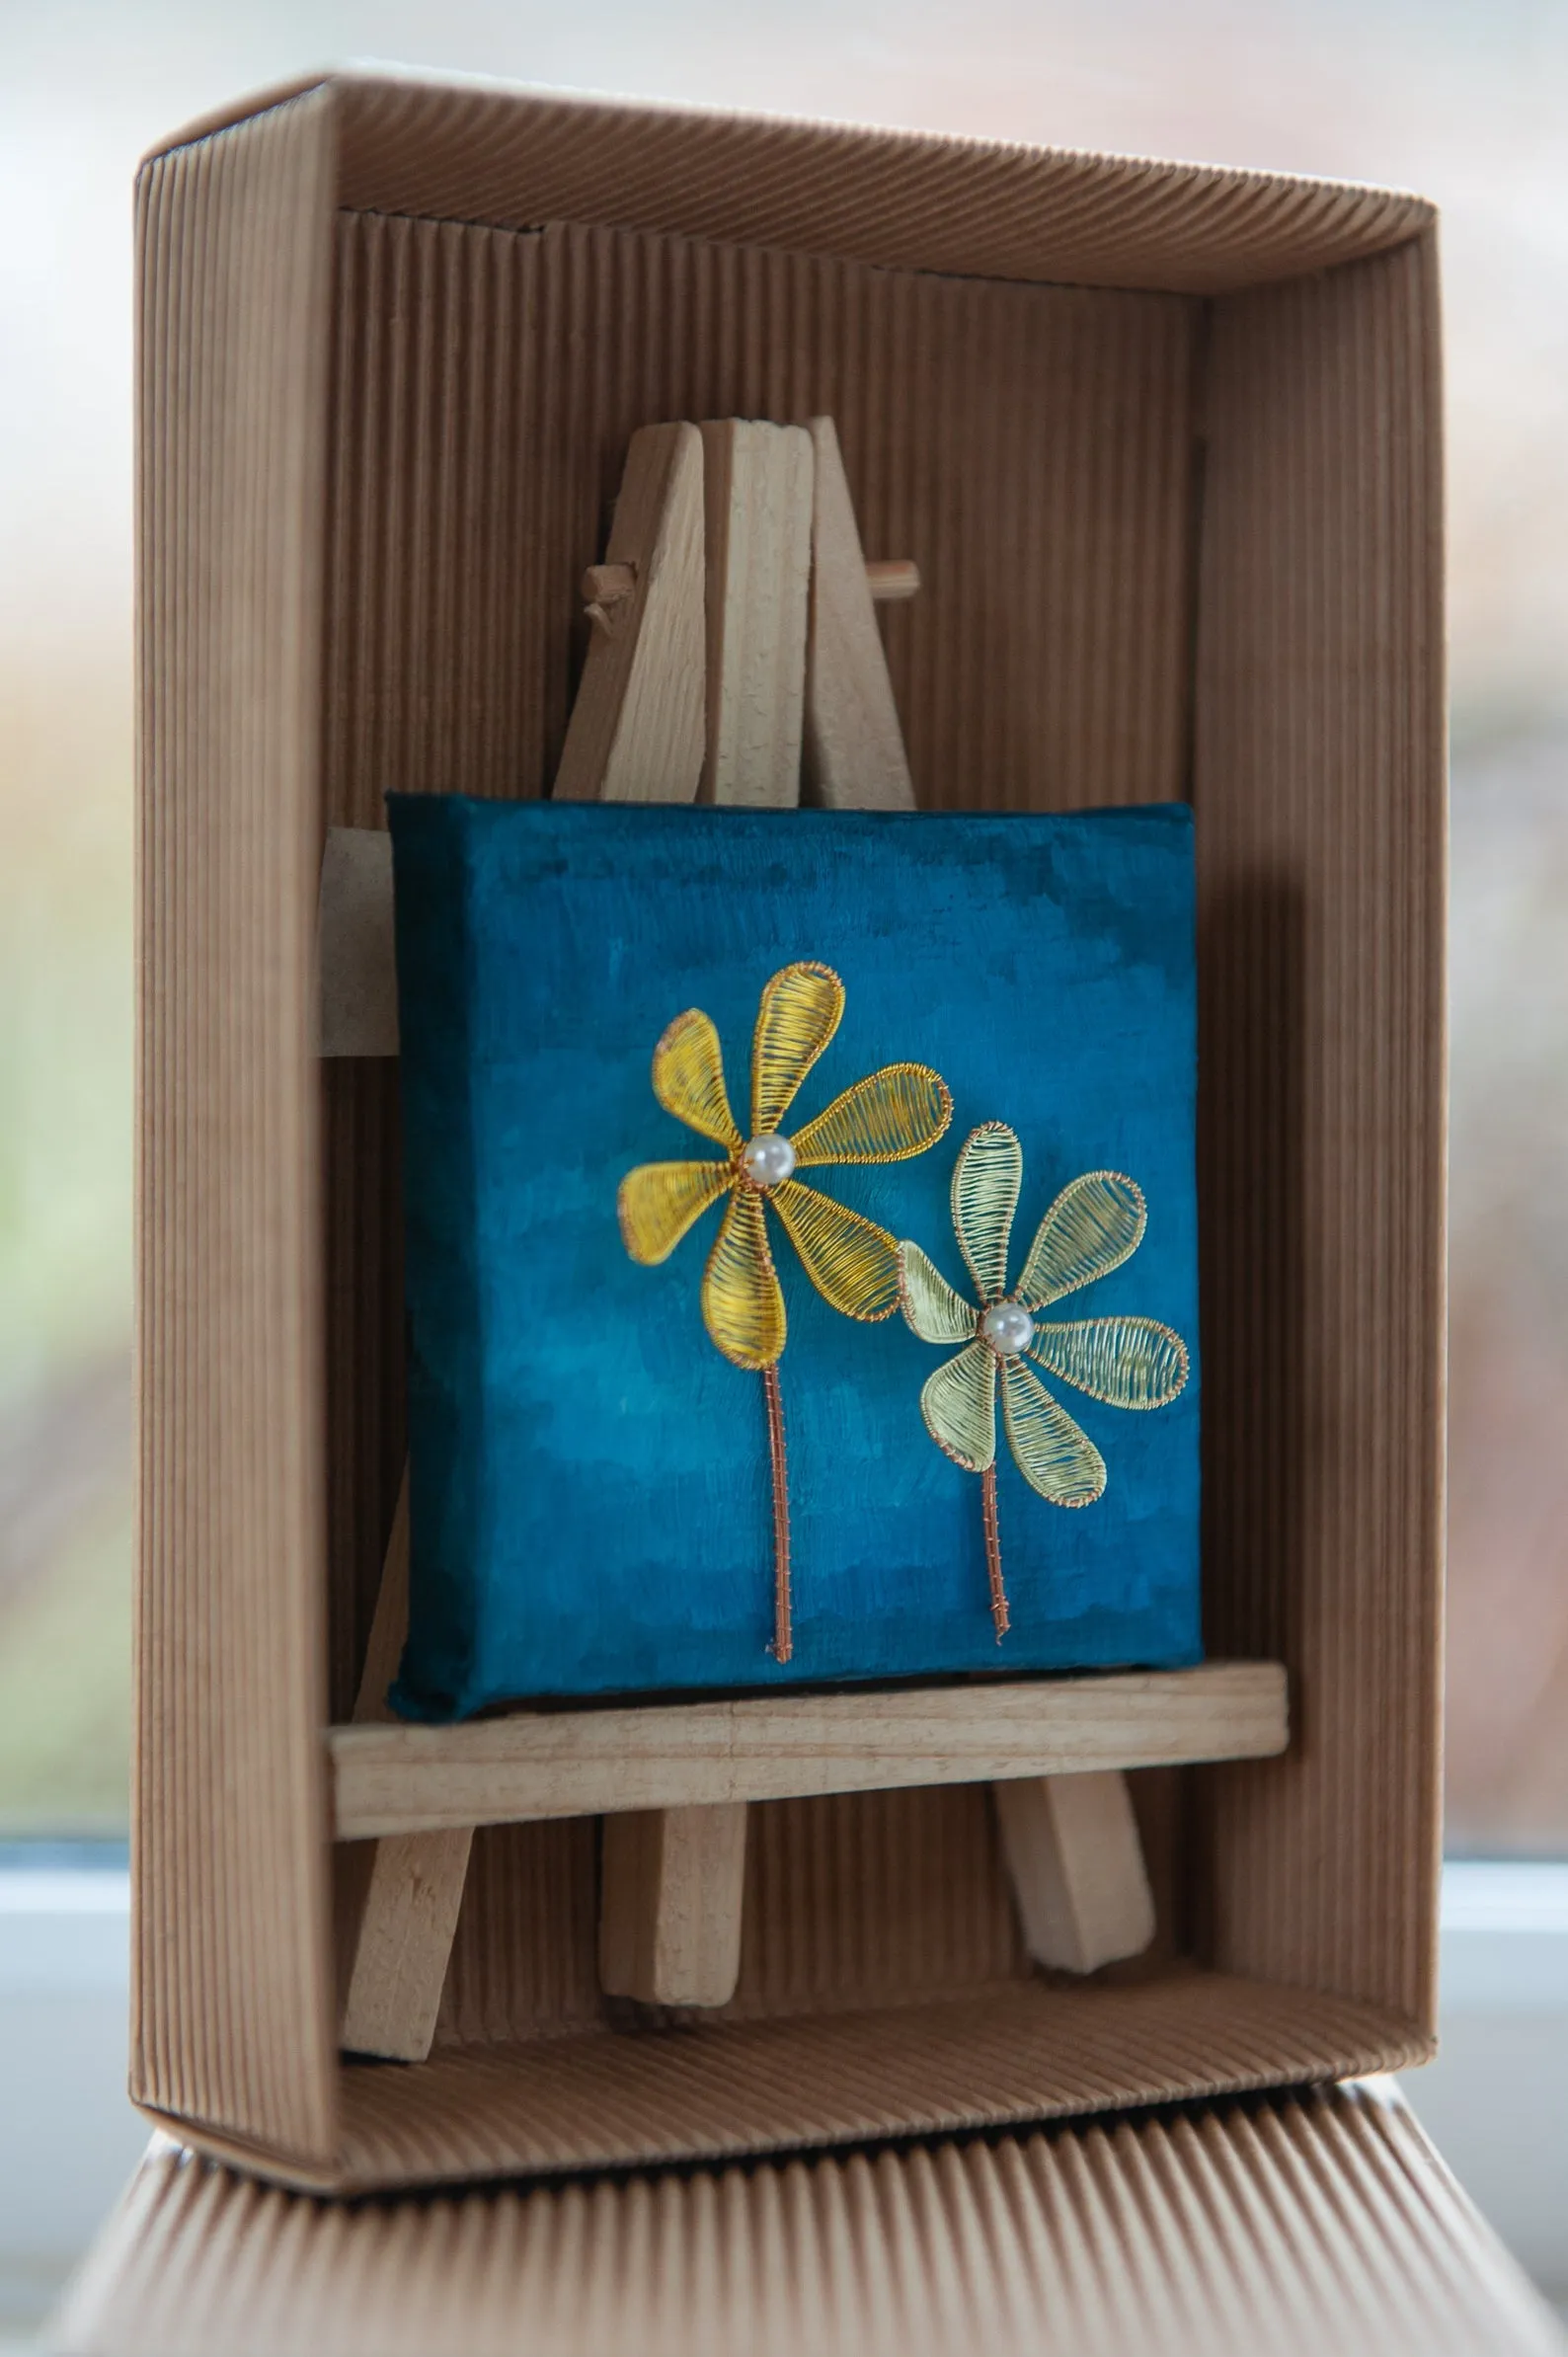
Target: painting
800, 1246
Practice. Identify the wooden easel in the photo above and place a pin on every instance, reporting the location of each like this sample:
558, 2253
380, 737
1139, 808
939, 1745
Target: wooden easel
735, 656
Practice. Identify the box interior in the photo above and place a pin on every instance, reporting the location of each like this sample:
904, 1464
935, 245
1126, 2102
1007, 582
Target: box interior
1164, 445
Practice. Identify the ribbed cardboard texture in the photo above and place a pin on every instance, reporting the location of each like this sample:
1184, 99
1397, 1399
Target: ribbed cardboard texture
1164, 443
1290, 2227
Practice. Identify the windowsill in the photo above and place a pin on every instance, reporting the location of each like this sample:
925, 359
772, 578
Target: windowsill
1495, 2101
64, 1928
1505, 1937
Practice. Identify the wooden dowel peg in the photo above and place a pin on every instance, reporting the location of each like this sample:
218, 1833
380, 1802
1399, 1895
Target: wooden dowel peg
891, 580
608, 583
607, 594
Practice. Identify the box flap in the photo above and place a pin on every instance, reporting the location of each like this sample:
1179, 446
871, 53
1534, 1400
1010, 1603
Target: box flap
467, 149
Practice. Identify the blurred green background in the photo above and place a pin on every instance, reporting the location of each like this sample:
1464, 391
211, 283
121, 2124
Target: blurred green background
1465, 103
65, 1235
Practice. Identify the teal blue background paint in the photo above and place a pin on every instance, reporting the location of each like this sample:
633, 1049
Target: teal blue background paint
588, 1476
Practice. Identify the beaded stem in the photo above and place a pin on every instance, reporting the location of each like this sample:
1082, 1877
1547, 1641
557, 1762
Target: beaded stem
783, 1641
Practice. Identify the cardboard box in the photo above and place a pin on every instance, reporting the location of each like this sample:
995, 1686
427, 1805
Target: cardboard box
1164, 442
1316, 2226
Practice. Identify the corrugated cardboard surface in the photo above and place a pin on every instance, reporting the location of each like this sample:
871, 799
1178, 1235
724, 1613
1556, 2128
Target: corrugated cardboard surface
700, 2087
232, 2002
1174, 538
1285, 2228
464, 150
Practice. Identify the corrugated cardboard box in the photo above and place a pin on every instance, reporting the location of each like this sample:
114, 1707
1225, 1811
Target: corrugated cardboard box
1317, 2225
1164, 442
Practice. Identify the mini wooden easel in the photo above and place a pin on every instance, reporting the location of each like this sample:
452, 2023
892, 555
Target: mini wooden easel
735, 658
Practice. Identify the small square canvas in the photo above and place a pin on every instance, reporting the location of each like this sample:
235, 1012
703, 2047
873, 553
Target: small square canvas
800, 1246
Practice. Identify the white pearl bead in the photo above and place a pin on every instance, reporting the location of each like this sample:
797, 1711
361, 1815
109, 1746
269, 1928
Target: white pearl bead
768, 1160
1009, 1327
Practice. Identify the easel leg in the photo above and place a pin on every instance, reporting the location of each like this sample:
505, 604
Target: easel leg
854, 747
406, 1933
672, 1892
636, 733
757, 501
412, 1886
1077, 1864
670, 1910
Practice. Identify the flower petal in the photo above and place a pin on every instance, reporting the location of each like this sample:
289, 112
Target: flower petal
688, 1078
743, 1307
930, 1305
852, 1264
885, 1118
659, 1201
1128, 1362
1093, 1226
1054, 1455
985, 1184
959, 1405
797, 1018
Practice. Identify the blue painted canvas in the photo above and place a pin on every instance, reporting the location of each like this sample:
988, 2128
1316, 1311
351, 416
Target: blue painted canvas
801, 1245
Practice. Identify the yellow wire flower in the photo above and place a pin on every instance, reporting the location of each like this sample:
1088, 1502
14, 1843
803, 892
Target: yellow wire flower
1093, 1226
886, 1118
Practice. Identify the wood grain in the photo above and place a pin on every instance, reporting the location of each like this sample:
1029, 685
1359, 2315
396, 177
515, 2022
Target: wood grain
231, 1941
573, 1763
636, 733
670, 1911
400, 1936
1076, 1865
757, 492
854, 747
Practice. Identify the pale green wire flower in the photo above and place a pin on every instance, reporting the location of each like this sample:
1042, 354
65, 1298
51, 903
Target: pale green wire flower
1095, 1224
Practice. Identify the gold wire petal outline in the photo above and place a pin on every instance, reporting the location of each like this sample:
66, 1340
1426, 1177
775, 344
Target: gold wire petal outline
1093, 1226
959, 1404
931, 1309
986, 1181
1126, 1362
743, 1307
688, 1078
886, 1118
1056, 1458
659, 1201
799, 1014
853, 1264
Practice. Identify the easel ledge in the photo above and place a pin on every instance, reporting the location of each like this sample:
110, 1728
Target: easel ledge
394, 1778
